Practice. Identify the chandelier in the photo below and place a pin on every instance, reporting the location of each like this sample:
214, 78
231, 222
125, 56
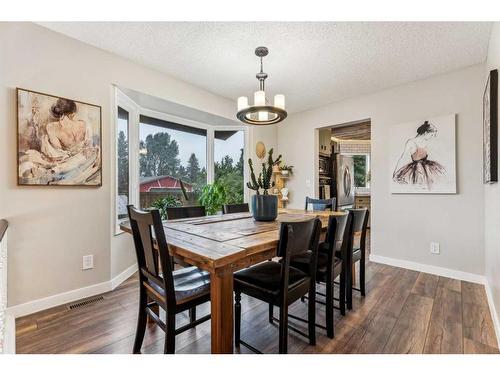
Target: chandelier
261, 113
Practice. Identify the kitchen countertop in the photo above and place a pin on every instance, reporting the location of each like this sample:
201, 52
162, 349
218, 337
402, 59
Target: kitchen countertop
363, 194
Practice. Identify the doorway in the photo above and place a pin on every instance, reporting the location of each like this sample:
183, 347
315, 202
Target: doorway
344, 164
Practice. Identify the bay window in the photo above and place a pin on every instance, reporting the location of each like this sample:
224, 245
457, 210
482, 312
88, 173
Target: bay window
163, 160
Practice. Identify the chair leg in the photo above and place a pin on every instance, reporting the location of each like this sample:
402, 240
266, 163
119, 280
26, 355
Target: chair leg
329, 308
192, 314
271, 311
362, 276
170, 334
283, 330
342, 293
311, 316
237, 318
142, 318
348, 288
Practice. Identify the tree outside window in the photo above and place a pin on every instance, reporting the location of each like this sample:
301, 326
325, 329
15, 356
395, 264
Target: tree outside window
361, 171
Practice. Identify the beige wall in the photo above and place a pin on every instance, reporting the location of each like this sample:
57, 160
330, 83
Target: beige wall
404, 225
51, 228
492, 194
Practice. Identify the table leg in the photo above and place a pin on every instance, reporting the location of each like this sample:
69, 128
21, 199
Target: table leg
221, 289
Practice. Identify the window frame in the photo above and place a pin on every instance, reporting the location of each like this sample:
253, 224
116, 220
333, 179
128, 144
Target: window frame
127, 104
246, 148
135, 111
368, 168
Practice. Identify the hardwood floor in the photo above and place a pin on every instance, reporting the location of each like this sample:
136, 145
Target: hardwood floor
404, 311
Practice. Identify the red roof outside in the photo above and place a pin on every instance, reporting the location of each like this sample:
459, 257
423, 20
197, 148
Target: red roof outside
162, 182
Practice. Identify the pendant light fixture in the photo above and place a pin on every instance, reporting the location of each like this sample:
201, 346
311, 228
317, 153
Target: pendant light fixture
260, 113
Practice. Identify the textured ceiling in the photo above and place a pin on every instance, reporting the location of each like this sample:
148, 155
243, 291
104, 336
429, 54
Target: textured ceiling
311, 63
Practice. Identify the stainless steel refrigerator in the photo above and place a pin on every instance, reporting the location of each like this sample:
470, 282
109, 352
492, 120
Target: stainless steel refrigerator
344, 181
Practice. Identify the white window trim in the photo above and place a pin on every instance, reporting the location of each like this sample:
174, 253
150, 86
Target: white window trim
123, 101
134, 110
368, 167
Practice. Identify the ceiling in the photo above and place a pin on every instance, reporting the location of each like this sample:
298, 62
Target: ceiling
312, 63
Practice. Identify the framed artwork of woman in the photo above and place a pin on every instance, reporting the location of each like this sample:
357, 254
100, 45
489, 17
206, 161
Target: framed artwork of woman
58, 141
423, 156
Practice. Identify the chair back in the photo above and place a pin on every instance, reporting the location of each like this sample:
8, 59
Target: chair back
321, 204
347, 240
336, 228
147, 230
174, 213
360, 224
235, 208
360, 218
297, 238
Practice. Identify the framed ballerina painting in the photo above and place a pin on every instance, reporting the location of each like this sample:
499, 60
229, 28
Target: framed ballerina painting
58, 141
423, 156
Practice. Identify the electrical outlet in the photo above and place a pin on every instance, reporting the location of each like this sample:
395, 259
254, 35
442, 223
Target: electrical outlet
435, 248
87, 262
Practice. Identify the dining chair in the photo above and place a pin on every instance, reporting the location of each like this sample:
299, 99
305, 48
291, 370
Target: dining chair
279, 284
235, 208
174, 213
173, 291
360, 226
321, 204
329, 267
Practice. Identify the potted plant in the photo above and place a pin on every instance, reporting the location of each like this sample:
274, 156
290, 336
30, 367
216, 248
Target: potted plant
213, 196
265, 205
286, 170
165, 202
276, 165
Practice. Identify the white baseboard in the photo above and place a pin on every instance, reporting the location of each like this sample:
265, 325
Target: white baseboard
9, 343
124, 275
493, 311
435, 270
69, 296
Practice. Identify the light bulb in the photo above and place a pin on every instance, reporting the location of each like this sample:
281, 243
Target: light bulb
263, 116
259, 98
279, 101
242, 103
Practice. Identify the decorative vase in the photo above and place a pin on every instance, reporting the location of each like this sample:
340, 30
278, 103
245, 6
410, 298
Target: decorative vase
284, 172
284, 194
265, 207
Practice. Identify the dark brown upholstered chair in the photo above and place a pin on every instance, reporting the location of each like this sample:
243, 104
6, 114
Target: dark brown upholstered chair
174, 213
329, 267
321, 204
235, 208
173, 291
279, 284
357, 253
360, 224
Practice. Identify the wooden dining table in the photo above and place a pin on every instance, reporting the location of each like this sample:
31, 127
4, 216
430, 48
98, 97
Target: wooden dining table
222, 245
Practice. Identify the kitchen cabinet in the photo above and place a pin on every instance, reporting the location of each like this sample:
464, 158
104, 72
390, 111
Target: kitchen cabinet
325, 141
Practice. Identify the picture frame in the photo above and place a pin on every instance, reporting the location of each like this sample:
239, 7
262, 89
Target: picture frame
423, 156
59, 141
490, 129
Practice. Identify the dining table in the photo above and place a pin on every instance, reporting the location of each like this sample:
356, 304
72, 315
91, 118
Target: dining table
222, 245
